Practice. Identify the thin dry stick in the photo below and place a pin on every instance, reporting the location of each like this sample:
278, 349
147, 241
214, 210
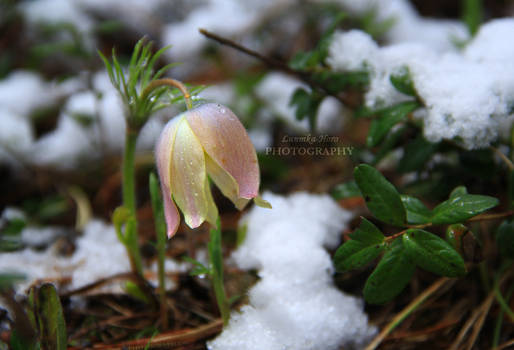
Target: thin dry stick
413, 305
170, 340
503, 157
469, 323
505, 345
480, 322
279, 65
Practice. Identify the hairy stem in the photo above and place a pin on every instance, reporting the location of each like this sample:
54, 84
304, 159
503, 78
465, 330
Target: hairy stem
129, 200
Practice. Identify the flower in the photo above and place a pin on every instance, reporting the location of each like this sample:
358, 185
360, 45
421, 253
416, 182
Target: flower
207, 140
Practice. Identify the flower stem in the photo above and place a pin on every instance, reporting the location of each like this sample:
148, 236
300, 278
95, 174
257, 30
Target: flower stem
160, 229
168, 82
216, 263
129, 200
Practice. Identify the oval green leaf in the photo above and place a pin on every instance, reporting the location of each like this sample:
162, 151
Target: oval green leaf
380, 195
391, 275
461, 207
432, 253
354, 254
417, 212
386, 119
51, 319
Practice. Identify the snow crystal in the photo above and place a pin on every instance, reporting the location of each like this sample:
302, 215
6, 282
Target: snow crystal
468, 96
295, 305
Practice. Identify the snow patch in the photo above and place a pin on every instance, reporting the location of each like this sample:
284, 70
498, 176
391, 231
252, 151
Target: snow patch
469, 96
295, 305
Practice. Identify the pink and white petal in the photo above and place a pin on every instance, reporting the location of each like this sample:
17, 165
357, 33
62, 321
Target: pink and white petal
225, 182
212, 210
171, 213
163, 151
225, 140
188, 175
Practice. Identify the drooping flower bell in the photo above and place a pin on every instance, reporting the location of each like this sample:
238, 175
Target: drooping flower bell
207, 140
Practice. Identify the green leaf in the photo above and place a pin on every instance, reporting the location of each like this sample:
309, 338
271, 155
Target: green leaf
13, 227
346, 190
367, 233
391, 275
432, 253
386, 119
134, 291
158, 210
306, 105
9, 244
335, 82
417, 153
392, 140
458, 191
472, 15
354, 254
51, 319
380, 195
199, 268
461, 208
20, 342
7, 280
304, 60
402, 81
417, 212
120, 216
505, 239
366, 243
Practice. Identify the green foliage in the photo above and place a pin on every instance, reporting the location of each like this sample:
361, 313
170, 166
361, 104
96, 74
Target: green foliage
122, 216
335, 82
386, 119
134, 291
461, 207
7, 280
52, 327
416, 154
391, 275
417, 212
216, 267
371, 24
472, 14
432, 253
366, 243
381, 197
413, 246
140, 74
305, 61
198, 267
306, 104
402, 81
